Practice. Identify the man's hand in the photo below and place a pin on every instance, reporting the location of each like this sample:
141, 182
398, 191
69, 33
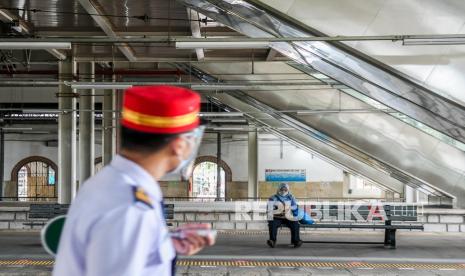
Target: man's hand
192, 243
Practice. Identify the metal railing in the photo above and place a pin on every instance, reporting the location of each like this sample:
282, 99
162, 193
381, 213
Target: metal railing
316, 199
28, 199
214, 199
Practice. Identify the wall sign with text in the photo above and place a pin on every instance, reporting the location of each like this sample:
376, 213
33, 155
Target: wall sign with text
282, 175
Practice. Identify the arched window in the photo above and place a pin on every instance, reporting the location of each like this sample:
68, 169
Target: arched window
204, 180
204, 177
36, 179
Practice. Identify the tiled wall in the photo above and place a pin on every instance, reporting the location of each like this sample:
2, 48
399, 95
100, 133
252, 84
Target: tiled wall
238, 189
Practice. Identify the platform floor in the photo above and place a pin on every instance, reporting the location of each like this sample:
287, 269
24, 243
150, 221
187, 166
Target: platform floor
245, 253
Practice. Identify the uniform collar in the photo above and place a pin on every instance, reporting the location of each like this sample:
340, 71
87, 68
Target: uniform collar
139, 176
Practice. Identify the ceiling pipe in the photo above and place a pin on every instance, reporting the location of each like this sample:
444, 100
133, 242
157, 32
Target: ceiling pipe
310, 85
29, 83
106, 72
201, 86
165, 39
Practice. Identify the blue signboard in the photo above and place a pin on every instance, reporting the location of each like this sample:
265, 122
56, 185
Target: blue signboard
283, 175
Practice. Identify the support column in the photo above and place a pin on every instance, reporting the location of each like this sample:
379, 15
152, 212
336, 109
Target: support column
218, 167
118, 97
118, 106
410, 194
346, 187
66, 135
2, 160
108, 127
253, 164
86, 123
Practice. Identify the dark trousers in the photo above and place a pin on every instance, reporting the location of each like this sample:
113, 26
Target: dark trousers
293, 225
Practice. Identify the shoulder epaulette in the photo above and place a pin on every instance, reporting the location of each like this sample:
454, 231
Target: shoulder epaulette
141, 196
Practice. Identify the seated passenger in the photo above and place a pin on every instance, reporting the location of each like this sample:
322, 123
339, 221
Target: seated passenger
282, 205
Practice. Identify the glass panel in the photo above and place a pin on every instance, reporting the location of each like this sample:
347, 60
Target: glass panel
22, 183
51, 176
378, 105
205, 181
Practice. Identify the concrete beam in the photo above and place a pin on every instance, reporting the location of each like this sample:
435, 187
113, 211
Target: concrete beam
271, 54
168, 60
7, 16
66, 137
141, 31
86, 124
106, 26
195, 28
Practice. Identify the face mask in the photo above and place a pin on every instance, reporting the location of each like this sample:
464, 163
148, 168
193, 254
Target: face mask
185, 166
283, 193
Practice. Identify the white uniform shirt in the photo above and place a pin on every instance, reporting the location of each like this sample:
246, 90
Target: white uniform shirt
109, 232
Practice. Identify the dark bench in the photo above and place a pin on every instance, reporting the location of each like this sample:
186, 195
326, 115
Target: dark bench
169, 213
394, 213
49, 211
45, 211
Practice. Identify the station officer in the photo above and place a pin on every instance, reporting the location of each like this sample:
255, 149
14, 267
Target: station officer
116, 225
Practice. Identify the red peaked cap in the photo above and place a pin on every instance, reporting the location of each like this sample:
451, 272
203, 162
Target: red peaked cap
161, 109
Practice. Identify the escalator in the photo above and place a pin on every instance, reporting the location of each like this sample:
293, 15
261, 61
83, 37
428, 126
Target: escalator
378, 144
255, 19
374, 145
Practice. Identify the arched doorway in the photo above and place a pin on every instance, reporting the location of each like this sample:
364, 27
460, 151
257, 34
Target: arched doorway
36, 179
204, 177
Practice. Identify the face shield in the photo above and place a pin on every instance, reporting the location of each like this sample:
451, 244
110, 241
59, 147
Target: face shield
194, 139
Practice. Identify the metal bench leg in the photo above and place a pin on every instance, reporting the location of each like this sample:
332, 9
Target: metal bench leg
390, 238
386, 237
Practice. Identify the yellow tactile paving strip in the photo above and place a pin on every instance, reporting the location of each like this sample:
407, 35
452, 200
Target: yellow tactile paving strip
318, 264
245, 263
26, 262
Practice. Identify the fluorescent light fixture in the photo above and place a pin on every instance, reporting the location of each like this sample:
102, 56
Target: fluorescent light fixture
310, 112
232, 128
116, 85
433, 41
228, 120
223, 45
36, 132
28, 111
221, 114
35, 45
16, 128
99, 86
264, 86
214, 87
202, 87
